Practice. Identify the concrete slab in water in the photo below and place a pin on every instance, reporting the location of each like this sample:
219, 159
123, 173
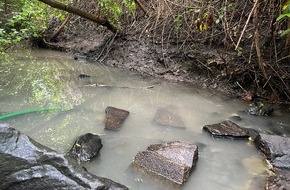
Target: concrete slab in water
171, 160
227, 129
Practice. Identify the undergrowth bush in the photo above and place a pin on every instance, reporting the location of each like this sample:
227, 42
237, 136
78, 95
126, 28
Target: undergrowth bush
25, 19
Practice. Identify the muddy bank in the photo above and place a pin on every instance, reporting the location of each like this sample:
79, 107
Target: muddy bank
152, 59
160, 47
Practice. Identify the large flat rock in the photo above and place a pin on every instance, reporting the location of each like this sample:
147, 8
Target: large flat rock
115, 117
227, 129
275, 148
171, 160
26, 164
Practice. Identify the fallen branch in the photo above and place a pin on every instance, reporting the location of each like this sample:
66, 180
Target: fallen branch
142, 7
105, 85
247, 22
257, 40
56, 33
81, 13
245, 91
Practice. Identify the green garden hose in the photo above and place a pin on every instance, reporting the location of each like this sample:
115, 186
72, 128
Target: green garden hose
22, 112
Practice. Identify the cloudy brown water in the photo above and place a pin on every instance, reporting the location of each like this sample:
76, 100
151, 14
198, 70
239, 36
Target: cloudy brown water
41, 78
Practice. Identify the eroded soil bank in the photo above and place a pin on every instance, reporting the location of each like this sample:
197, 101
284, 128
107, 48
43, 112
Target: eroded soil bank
152, 59
157, 46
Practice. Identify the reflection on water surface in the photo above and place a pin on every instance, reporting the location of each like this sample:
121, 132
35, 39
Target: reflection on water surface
45, 78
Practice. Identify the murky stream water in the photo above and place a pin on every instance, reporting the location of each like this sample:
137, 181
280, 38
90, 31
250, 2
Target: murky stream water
45, 79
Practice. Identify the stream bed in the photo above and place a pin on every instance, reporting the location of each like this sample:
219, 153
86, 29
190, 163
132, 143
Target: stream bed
42, 78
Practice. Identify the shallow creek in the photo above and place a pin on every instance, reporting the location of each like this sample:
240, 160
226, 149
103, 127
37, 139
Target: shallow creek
41, 78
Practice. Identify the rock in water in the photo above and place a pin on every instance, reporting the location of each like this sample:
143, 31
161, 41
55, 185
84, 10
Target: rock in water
279, 182
165, 117
227, 129
260, 109
275, 148
25, 164
86, 147
84, 76
115, 118
171, 160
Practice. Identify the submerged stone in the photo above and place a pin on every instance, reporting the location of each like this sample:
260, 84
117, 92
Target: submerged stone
26, 164
165, 117
236, 118
226, 129
80, 57
275, 148
115, 118
86, 147
171, 160
84, 76
260, 109
279, 182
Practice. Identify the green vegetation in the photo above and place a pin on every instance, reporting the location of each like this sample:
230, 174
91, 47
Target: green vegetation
22, 20
112, 11
26, 19
285, 14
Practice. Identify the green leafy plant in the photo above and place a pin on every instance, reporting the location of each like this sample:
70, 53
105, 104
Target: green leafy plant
112, 11
285, 14
28, 19
177, 21
130, 4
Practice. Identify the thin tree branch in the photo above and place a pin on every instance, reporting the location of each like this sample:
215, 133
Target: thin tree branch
59, 29
81, 13
247, 22
142, 7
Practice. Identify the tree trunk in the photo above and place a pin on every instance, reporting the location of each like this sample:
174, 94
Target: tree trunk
81, 13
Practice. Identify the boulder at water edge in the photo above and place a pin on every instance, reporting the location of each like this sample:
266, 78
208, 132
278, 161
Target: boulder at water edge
169, 118
115, 118
280, 181
226, 129
86, 147
25, 164
275, 148
171, 160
